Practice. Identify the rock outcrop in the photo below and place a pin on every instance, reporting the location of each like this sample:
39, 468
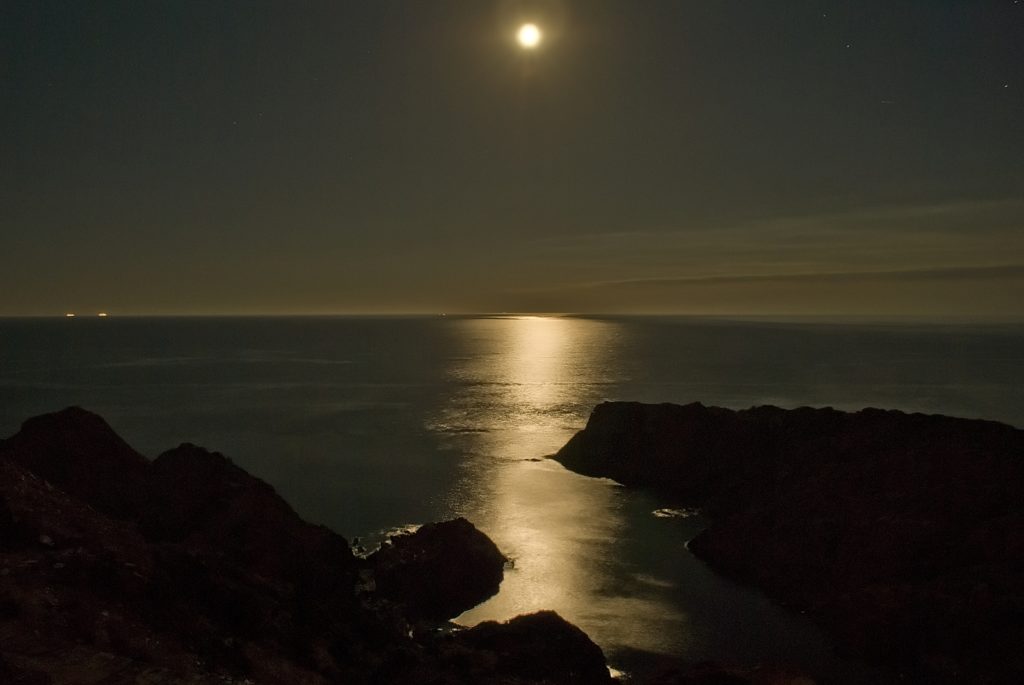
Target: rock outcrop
416, 571
115, 569
901, 533
538, 647
77, 451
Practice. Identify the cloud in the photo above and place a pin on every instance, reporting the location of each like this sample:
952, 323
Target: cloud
958, 217
913, 239
960, 290
954, 273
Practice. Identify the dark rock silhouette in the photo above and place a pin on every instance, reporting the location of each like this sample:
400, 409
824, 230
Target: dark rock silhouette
77, 451
115, 569
540, 646
901, 533
416, 569
201, 499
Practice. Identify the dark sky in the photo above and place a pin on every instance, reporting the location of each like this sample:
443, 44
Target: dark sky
693, 156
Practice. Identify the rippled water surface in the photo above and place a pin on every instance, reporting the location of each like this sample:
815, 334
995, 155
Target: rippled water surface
366, 424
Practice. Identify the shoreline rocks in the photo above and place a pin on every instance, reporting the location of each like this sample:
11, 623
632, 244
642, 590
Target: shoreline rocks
902, 534
415, 569
187, 569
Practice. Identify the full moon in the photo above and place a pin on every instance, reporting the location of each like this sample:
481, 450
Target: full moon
528, 36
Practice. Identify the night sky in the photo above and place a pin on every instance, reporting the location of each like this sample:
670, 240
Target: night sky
690, 156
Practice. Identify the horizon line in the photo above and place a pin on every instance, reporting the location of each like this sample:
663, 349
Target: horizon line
938, 318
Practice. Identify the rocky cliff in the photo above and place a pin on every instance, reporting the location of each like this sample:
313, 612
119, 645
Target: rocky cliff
903, 534
187, 569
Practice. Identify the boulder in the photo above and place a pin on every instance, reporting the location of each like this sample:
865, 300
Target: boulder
540, 647
438, 571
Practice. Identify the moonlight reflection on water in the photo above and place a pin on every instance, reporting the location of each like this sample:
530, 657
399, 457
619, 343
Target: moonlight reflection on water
610, 560
371, 424
521, 378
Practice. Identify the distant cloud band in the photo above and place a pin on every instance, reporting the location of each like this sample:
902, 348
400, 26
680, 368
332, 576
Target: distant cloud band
1003, 271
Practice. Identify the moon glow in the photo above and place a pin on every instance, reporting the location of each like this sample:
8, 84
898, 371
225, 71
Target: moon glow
528, 36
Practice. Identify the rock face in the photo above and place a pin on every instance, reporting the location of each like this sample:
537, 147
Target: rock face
901, 533
540, 646
115, 569
417, 571
79, 452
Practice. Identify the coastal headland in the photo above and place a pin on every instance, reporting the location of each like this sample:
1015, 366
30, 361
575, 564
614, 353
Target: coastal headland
187, 569
901, 534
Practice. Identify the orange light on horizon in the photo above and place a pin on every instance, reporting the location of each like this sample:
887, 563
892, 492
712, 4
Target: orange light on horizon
70, 315
102, 314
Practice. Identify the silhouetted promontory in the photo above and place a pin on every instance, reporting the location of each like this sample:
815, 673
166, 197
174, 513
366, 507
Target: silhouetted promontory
903, 534
116, 569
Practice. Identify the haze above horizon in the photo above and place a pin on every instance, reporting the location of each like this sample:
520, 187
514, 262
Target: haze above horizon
812, 157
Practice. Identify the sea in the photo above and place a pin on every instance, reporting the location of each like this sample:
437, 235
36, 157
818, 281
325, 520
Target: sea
372, 425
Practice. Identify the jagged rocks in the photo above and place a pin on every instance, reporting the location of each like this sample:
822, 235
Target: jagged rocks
189, 570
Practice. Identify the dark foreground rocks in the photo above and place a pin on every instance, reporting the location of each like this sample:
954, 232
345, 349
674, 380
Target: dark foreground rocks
186, 569
540, 647
416, 569
903, 534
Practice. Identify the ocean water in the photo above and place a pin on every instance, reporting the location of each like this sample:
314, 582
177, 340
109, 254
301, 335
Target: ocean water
369, 424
